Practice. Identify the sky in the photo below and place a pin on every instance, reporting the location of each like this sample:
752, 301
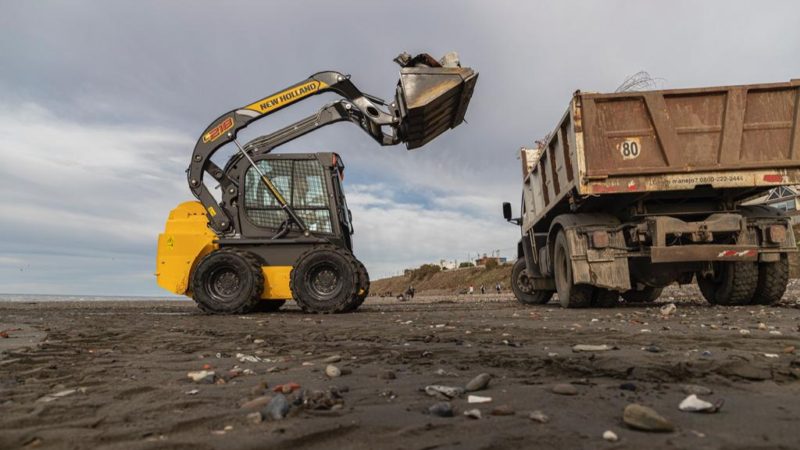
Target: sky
101, 104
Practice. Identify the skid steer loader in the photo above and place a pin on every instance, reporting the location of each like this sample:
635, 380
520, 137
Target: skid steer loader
281, 229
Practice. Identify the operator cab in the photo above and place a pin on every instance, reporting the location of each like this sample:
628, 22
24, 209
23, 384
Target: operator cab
311, 183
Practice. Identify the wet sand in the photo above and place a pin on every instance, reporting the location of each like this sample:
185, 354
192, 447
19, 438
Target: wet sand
119, 370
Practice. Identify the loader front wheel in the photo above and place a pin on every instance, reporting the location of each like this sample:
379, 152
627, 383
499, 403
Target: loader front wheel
325, 280
228, 281
733, 283
522, 287
570, 295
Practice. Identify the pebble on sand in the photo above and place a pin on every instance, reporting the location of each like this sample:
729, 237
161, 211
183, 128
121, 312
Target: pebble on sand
591, 348
255, 417
473, 413
503, 410
277, 408
646, 419
332, 359
564, 389
441, 409
257, 403
610, 436
538, 416
694, 404
446, 391
695, 389
478, 383
333, 371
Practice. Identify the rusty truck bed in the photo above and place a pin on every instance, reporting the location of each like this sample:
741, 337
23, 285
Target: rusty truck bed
737, 140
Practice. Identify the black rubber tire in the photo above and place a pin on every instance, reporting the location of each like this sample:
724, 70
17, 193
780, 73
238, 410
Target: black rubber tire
227, 281
269, 305
604, 298
522, 289
325, 280
735, 284
569, 294
772, 280
647, 295
363, 287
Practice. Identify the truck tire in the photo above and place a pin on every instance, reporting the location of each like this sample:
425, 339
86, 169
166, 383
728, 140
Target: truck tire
325, 280
363, 287
734, 284
521, 286
772, 280
227, 281
647, 295
570, 295
604, 298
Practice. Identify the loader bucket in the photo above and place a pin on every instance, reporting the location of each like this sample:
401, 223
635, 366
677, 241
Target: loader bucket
431, 100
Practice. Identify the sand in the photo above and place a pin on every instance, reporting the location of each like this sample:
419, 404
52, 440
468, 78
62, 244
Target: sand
119, 374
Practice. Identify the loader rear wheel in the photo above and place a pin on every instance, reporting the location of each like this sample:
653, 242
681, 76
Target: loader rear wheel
228, 281
734, 283
570, 295
363, 287
523, 289
647, 295
325, 280
772, 280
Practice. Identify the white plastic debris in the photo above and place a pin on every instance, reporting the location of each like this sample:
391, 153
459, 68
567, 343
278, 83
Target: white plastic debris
247, 358
478, 399
771, 355
694, 404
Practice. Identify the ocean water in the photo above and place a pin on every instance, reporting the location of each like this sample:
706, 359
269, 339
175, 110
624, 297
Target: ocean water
80, 298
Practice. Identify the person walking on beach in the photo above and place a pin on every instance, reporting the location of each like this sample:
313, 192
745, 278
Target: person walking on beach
498, 287
483, 290
471, 289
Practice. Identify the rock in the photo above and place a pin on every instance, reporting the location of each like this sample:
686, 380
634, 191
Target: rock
478, 399
286, 388
332, 359
771, 355
202, 376
192, 392
441, 409
627, 386
610, 436
503, 410
762, 326
744, 332
258, 341
668, 310
255, 417
259, 389
564, 389
50, 397
247, 358
653, 349
694, 404
694, 389
789, 349
277, 408
538, 416
321, 400
333, 371
257, 403
387, 375
478, 383
473, 413
591, 348
446, 391
646, 419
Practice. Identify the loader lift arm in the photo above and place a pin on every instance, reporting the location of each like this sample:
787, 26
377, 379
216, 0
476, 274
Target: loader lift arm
225, 128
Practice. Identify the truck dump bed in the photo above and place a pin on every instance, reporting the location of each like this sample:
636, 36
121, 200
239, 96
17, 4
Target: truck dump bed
609, 149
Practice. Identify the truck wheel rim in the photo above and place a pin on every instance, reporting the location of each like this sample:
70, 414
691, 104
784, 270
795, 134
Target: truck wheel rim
223, 283
524, 283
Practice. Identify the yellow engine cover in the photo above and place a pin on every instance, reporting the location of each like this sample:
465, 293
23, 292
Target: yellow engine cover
187, 239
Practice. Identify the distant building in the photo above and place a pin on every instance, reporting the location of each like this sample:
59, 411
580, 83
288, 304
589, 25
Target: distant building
784, 198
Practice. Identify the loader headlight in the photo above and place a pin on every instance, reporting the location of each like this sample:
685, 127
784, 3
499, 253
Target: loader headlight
776, 234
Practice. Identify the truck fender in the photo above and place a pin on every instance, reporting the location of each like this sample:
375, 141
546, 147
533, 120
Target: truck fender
606, 268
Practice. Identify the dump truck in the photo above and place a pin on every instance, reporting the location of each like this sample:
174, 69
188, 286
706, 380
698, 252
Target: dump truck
278, 228
633, 191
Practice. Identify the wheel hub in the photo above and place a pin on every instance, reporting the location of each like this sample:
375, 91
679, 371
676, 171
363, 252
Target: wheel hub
324, 280
224, 283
